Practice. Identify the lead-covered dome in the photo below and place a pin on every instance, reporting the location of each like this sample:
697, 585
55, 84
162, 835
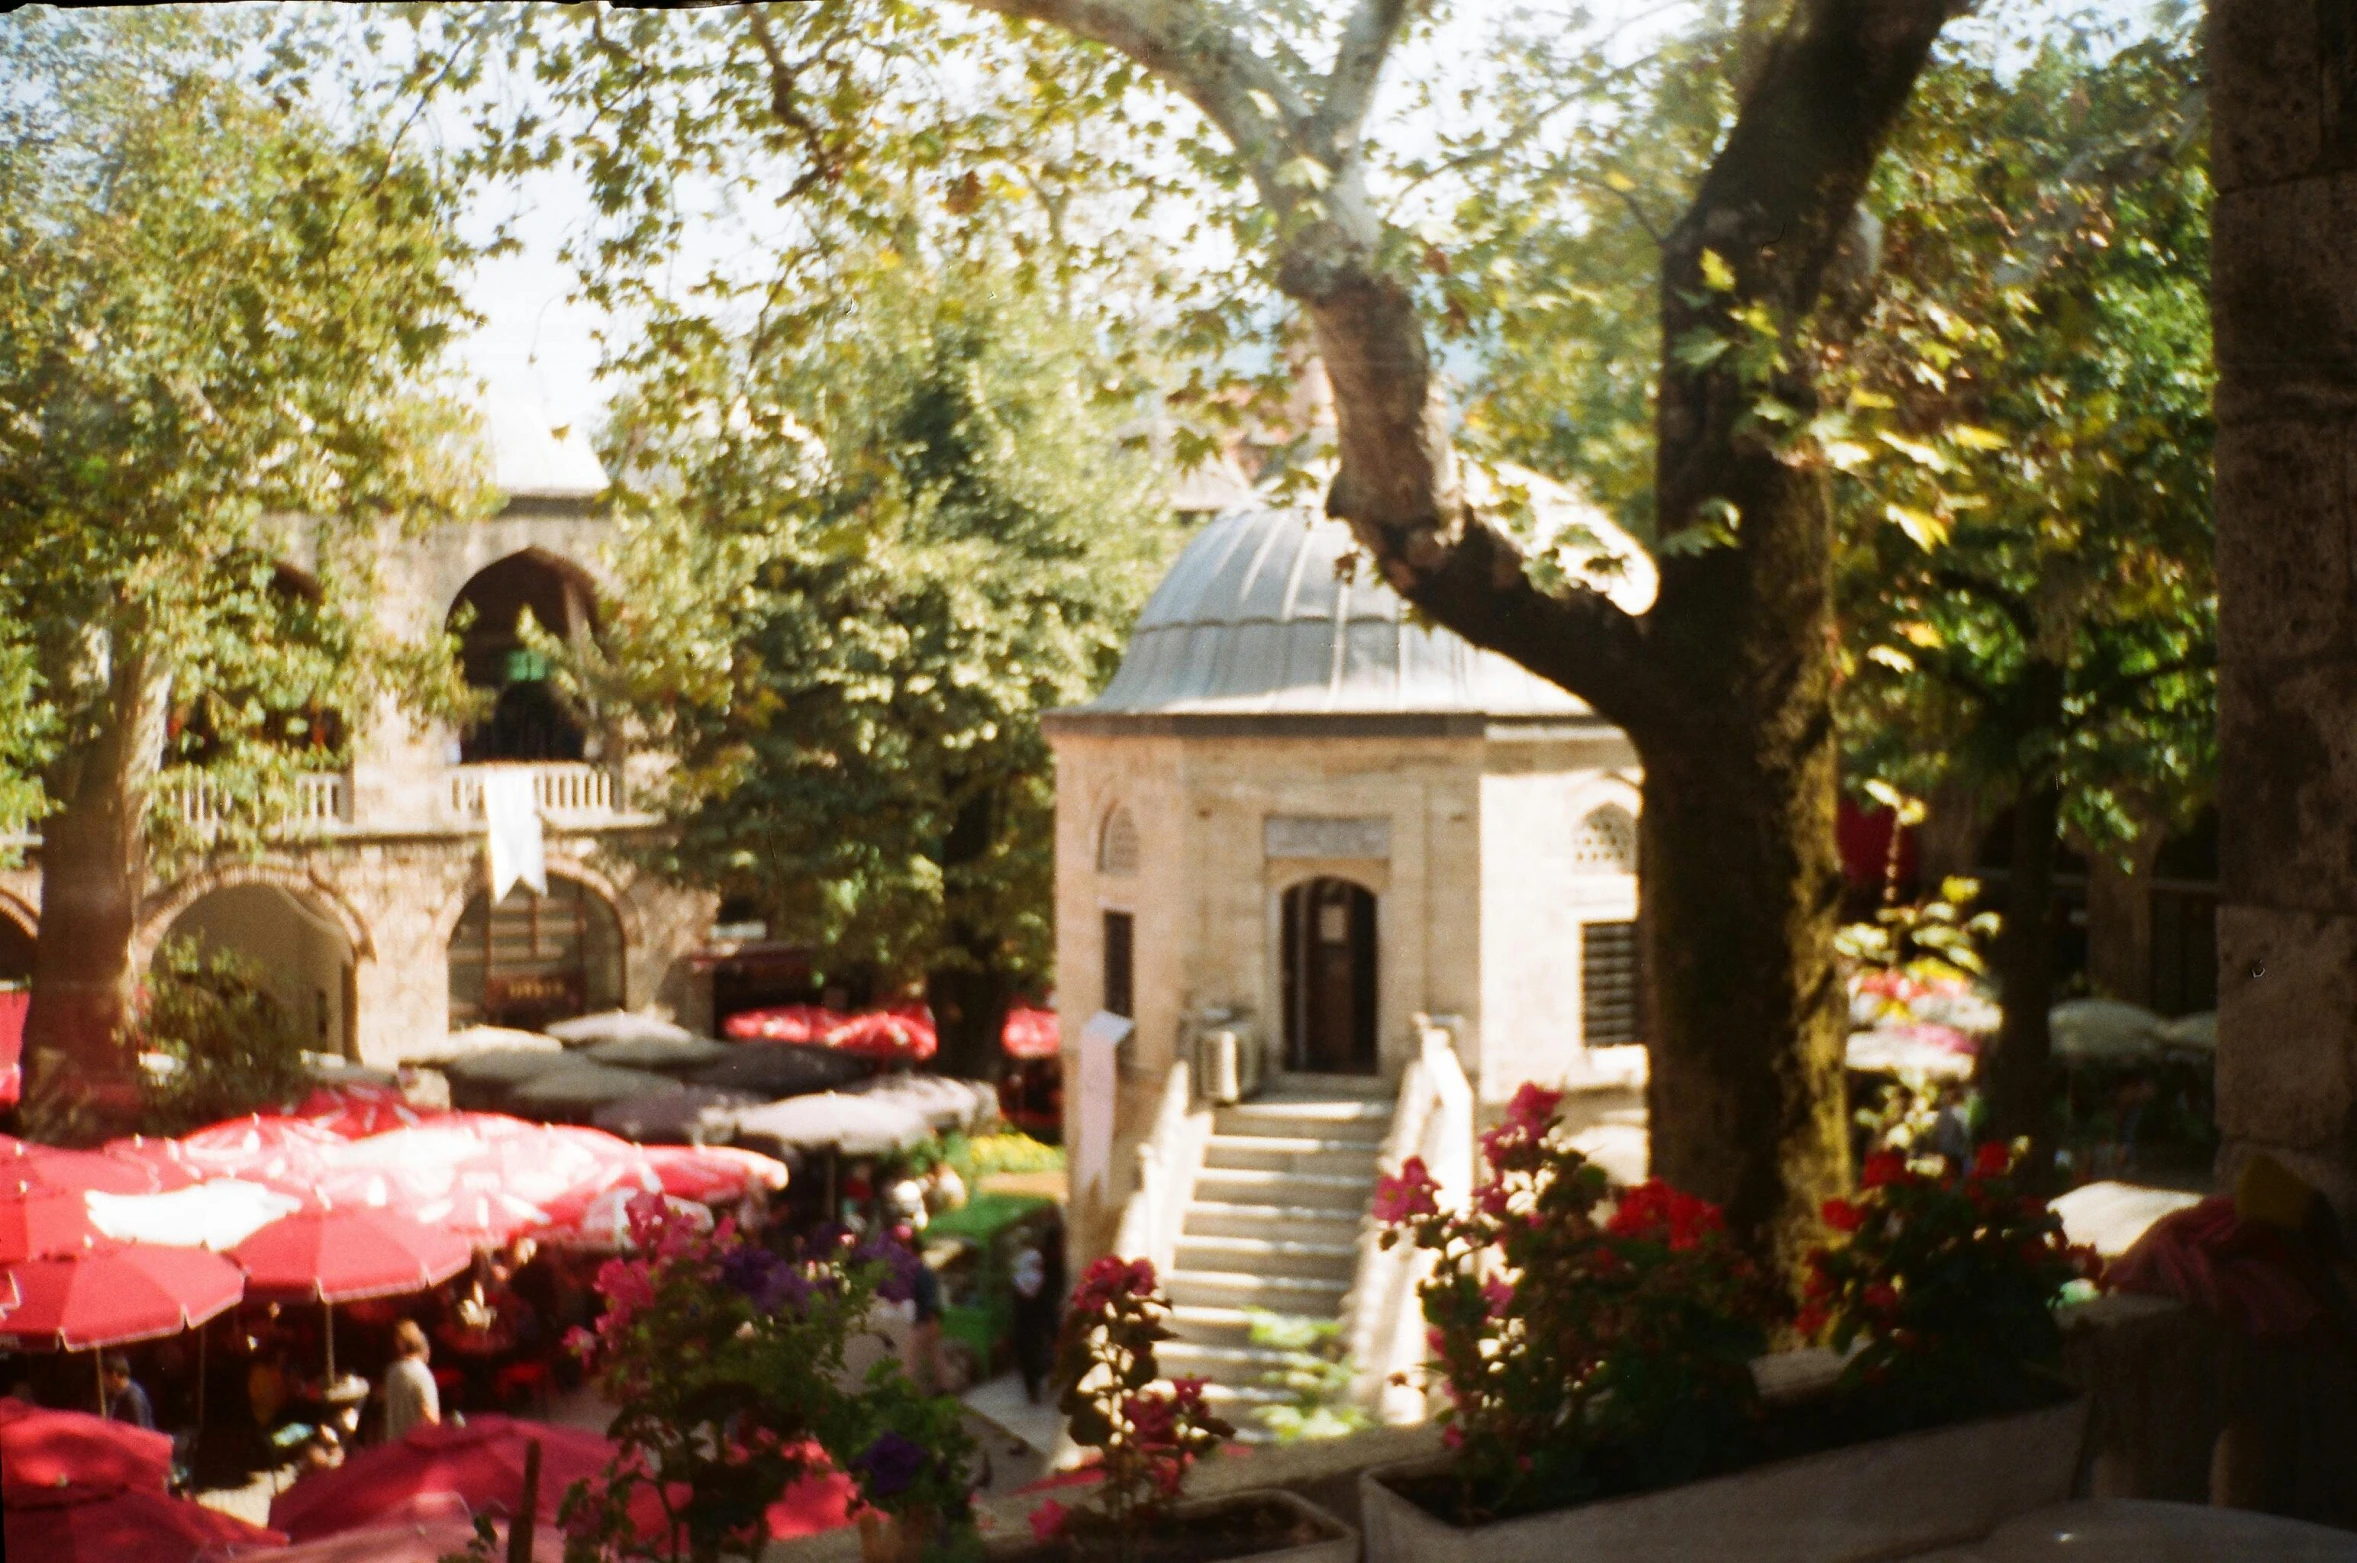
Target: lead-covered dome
1255, 618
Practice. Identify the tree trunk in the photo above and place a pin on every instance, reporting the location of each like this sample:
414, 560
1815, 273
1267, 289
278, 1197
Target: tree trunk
2018, 1075
967, 991
93, 875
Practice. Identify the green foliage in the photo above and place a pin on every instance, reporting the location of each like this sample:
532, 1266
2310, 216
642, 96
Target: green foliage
725, 1363
1947, 1286
222, 1045
1593, 1340
219, 324
1931, 941
978, 1156
859, 568
2026, 577
1316, 1378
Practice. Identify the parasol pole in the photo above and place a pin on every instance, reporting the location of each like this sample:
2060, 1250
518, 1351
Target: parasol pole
201, 1333
98, 1368
328, 1305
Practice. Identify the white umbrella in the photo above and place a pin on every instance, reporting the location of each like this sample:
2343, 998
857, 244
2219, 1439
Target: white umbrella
854, 1125
2196, 1033
216, 1215
945, 1103
618, 1025
2104, 1031
479, 1039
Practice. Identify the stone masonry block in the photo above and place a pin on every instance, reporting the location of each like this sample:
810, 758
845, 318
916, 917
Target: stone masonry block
2279, 297
2267, 90
2287, 1028
2288, 784
2283, 538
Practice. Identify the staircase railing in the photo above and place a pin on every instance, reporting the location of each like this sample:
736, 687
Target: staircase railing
1383, 1318
1167, 1164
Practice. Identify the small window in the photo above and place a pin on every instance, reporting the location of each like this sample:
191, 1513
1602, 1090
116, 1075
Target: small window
1611, 982
1120, 965
1117, 848
1605, 843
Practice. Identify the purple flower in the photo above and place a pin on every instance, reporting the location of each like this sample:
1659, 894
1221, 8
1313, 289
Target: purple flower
773, 1284
890, 1466
896, 1279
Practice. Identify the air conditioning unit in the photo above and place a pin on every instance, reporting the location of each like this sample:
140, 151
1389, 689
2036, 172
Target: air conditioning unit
1228, 1062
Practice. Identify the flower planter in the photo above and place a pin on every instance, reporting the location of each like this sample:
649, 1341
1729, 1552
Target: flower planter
1335, 1542
1882, 1499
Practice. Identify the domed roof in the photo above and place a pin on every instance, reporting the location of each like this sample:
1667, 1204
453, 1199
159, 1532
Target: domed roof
1254, 619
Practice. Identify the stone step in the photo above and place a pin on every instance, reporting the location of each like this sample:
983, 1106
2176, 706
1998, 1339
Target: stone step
1291, 1223
1363, 1121
1268, 1256
1290, 1153
1203, 1325
1258, 1186
1313, 1296
1246, 1367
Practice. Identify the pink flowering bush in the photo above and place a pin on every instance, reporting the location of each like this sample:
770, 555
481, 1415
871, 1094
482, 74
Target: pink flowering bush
1146, 1437
1946, 1285
1592, 1340
725, 1362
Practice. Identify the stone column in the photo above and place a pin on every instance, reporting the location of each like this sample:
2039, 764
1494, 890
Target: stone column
2283, 79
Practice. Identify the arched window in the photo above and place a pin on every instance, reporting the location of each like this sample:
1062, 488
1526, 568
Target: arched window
302, 953
1117, 844
1329, 973
530, 718
534, 959
1605, 842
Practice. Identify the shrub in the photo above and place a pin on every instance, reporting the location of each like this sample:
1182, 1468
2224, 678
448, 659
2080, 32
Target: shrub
1946, 1285
1592, 1340
218, 1044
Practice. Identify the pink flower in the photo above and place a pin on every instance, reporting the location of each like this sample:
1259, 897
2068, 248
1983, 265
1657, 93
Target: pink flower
1452, 1436
1532, 1111
1047, 1521
1883, 1167
1841, 1215
1407, 1197
1992, 1160
1499, 1295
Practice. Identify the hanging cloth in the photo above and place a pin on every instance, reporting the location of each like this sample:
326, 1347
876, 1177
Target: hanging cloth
512, 819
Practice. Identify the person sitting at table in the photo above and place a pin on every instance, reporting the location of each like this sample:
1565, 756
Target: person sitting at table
126, 1401
411, 1397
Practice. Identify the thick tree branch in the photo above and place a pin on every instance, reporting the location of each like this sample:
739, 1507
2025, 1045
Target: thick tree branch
1201, 58
1989, 594
1358, 66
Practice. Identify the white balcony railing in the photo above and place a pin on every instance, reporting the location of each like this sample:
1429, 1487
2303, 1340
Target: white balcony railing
323, 801
566, 792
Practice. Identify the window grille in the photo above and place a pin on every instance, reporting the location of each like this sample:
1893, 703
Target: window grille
1611, 983
1605, 843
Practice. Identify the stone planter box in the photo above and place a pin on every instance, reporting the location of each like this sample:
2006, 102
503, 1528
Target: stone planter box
1877, 1500
1338, 1543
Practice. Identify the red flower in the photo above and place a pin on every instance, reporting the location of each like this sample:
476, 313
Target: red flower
1883, 1167
1047, 1521
1810, 1321
1841, 1215
1880, 1299
1992, 1160
1533, 1110
1409, 1196
1655, 1210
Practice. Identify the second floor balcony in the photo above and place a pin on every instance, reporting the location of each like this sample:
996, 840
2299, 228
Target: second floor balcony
570, 795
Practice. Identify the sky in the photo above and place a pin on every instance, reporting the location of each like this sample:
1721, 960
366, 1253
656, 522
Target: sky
537, 353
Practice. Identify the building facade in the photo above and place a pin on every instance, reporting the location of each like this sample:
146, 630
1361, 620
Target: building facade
370, 909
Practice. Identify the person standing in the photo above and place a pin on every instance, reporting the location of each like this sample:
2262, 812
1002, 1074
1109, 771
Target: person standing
126, 1401
411, 1397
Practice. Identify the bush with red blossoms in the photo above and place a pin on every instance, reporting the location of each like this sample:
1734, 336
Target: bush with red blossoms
1593, 1340
725, 1362
1946, 1284
1146, 1436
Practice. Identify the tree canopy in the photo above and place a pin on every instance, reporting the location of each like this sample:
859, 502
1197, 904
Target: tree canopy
862, 566
219, 327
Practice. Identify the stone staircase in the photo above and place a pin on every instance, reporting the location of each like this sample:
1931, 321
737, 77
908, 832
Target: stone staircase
1272, 1226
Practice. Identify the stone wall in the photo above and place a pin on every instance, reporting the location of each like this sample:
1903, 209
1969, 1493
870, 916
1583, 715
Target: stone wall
2283, 99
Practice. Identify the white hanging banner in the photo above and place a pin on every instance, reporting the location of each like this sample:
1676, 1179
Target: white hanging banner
1100, 1040
512, 820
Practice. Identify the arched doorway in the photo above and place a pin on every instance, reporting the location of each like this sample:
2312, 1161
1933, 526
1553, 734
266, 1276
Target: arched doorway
530, 718
16, 948
535, 959
301, 954
1329, 969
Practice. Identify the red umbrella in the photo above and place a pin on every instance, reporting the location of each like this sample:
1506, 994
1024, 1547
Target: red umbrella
53, 1167
408, 1541
347, 1253
104, 1296
894, 1034
36, 1219
53, 1457
1030, 1033
355, 1112
132, 1524
783, 1023
482, 1462
161, 1160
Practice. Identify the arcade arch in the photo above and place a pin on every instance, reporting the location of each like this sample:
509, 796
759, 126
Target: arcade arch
530, 718
534, 959
303, 954
16, 944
